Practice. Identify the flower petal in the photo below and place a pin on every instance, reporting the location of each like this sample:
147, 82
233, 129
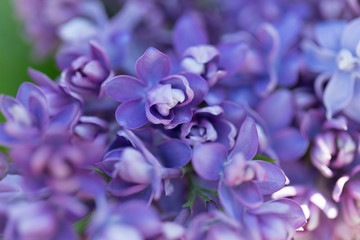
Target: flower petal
199, 87
248, 194
328, 33
153, 66
289, 144
339, 92
281, 100
174, 153
247, 141
208, 160
274, 181
319, 59
125, 88
353, 109
188, 31
131, 114
351, 36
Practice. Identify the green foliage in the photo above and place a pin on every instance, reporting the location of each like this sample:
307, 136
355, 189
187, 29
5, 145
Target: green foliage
264, 158
195, 190
80, 226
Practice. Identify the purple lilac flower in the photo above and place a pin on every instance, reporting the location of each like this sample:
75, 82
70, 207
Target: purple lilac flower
334, 147
209, 125
241, 179
338, 54
136, 170
319, 211
85, 75
155, 96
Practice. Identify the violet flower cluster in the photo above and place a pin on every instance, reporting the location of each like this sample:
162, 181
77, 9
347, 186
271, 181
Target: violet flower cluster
185, 120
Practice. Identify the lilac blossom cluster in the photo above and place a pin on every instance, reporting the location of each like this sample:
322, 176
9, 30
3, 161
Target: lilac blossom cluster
195, 120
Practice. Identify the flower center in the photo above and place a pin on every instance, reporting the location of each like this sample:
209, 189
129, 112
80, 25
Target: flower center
345, 60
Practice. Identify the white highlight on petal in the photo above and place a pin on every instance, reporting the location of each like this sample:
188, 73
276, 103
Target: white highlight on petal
319, 200
20, 115
345, 60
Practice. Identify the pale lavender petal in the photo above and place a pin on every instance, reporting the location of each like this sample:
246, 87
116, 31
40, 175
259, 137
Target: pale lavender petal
339, 92
174, 153
319, 59
353, 108
289, 144
351, 36
208, 160
188, 31
328, 33
153, 66
41, 79
26, 90
274, 181
280, 100
99, 54
131, 114
248, 194
125, 88
247, 141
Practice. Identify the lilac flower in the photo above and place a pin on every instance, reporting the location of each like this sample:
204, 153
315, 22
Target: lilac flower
208, 125
86, 74
334, 146
38, 220
346, 192
286, 141
131, 220
196, 55
277, 219
156, 96
134, 169
337, 53
214, 225
318, 209
241, 179
28, 117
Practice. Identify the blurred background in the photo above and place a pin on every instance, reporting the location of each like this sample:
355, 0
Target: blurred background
15, 54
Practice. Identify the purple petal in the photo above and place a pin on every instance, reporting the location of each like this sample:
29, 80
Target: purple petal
198, 85
353, 109
232, 56
174, 153
319, 59
188, 31
208, 160
339, 92
67, 117
328, 33
125, 88
248, 194
289, 70
247, 141
274, 181
351, 36
226, 133
228, 201
280, 100
26, 90
289, 144
38, 108
153, 66
13, 110
99, 53
41, 79
5, 138
182, 115
311, 123
131, 114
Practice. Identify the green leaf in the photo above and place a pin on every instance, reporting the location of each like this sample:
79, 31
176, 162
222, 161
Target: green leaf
264, 158
80, 226
106, 177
